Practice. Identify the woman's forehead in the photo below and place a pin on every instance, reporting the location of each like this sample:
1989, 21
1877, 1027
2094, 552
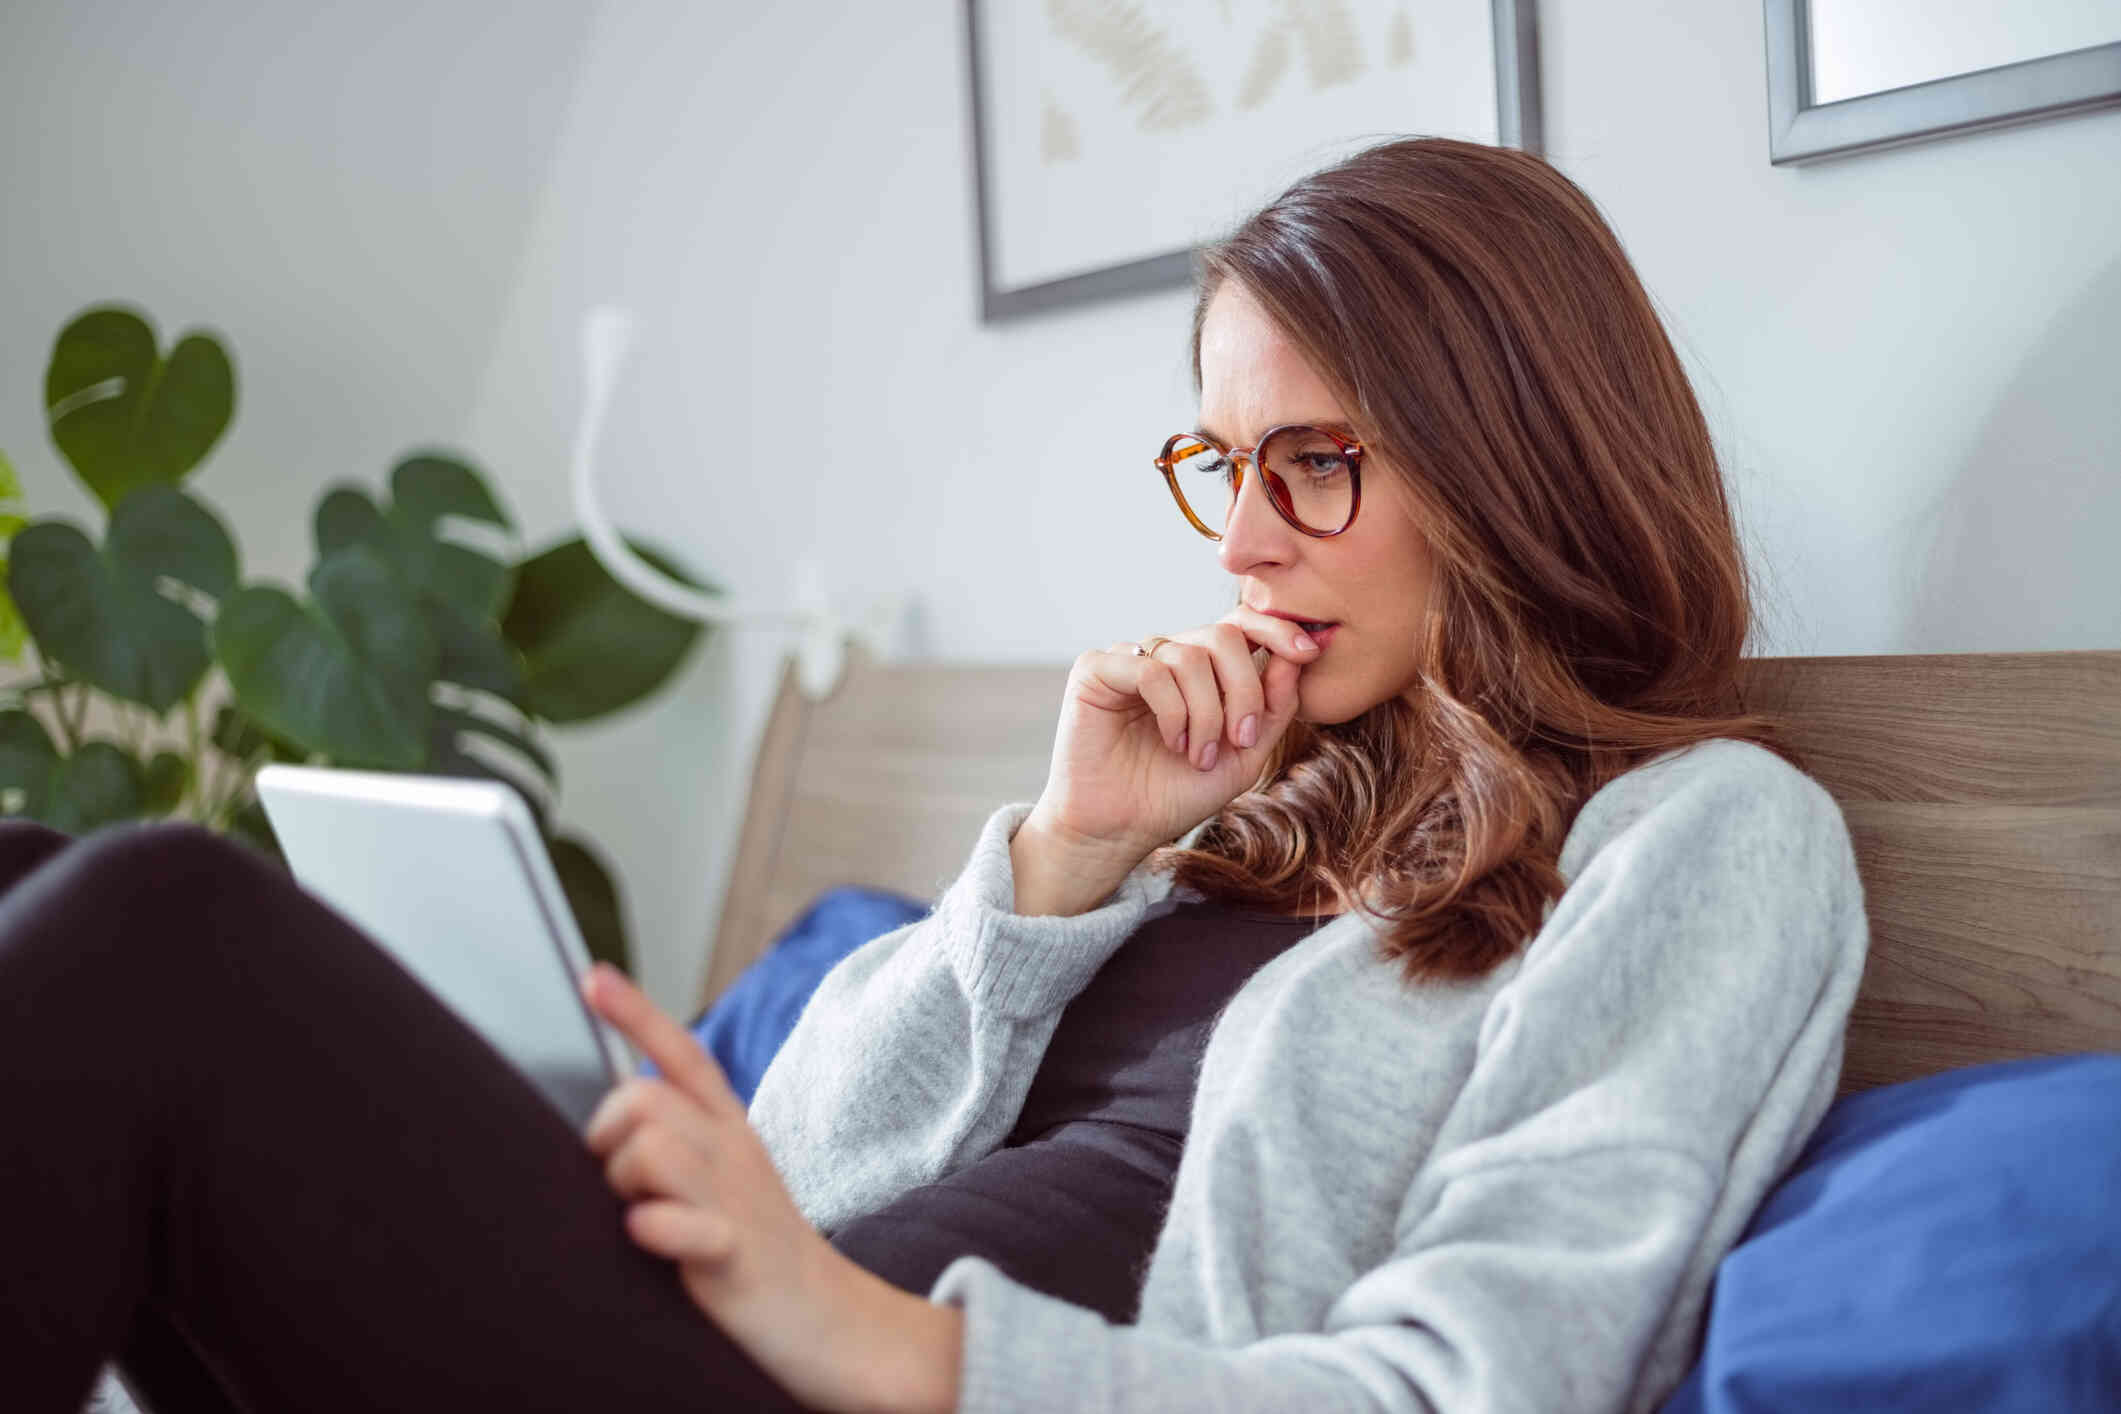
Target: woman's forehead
1253, 376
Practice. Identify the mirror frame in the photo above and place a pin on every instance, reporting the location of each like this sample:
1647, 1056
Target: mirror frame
1800, 130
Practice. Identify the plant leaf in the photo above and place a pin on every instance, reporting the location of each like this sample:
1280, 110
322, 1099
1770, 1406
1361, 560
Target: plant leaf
446, 756
11, 517
345, 674
453, 719
27, 759
591, 646
164, 782
462, 590
107, 625
125, 417
158, 530
14, 634
345, 515
248, 824
593, 898
426, 490
98, 785
474, 655
241, 738
102, 613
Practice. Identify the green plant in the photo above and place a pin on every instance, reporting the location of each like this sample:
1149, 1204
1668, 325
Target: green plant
417, 646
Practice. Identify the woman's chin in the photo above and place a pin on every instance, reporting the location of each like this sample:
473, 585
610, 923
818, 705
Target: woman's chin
1322, 705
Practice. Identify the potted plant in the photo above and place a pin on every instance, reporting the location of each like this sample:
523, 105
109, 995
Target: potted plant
155, 679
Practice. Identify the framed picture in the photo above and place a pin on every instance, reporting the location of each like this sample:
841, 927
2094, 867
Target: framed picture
1112, 137
1856, 75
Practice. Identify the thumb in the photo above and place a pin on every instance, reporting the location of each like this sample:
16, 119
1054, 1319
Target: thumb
1279, 684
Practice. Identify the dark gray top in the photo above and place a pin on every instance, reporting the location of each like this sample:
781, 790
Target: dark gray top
1071, 1203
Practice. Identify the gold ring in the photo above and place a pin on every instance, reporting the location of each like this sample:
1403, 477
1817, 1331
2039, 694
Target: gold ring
1148, 646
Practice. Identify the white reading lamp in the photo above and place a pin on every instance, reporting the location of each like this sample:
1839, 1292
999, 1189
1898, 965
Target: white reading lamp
821, 634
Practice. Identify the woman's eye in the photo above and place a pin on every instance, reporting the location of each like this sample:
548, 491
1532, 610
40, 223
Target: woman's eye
1326, 465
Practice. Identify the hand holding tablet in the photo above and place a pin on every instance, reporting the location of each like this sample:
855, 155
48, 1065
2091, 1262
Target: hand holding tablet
450, 876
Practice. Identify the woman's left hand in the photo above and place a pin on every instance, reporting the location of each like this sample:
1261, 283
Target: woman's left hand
679, 1147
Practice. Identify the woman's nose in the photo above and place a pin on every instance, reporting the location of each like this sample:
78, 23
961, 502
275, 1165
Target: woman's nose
1254, 533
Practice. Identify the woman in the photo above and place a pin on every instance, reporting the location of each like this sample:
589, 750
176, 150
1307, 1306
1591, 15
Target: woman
1499, 969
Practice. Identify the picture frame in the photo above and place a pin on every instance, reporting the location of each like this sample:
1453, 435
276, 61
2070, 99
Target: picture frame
1802, 128
1047, 242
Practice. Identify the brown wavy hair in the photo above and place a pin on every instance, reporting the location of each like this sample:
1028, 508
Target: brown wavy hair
1488, 336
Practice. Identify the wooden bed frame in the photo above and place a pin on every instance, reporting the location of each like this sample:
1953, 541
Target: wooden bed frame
1982, 791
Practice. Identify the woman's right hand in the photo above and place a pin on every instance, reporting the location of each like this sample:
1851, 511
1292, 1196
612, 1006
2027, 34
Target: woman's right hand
1148, 747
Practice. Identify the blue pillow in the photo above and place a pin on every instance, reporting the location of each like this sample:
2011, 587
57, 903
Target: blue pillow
747, 1023
1950, 1243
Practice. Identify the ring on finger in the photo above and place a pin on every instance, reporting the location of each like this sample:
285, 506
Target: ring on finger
1148, 646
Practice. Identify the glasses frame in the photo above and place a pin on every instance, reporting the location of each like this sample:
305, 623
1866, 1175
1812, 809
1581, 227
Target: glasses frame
1277, 493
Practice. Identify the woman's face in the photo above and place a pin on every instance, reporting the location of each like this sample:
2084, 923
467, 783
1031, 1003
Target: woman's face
1371, 581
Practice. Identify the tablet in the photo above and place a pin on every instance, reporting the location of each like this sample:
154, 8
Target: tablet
451, 877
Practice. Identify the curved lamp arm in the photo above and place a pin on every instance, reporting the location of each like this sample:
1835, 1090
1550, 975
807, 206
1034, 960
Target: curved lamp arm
607, 334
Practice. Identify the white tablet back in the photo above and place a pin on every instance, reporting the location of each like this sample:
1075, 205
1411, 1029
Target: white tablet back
451, 877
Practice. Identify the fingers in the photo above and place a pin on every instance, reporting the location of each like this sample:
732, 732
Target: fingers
673, 1049
1279, 685
1243, 699
1157, 685
654, 1162
622, 1111
1282, 637
1194, 669
1208, 690
679, 1231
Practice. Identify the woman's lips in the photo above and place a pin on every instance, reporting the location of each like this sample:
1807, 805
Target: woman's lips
1322, 636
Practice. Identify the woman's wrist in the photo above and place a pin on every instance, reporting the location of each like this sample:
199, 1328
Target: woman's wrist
896, 1353
1057, 872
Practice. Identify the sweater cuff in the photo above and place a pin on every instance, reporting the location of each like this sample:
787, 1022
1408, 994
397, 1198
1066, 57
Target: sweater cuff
1024, 1350
1025, 966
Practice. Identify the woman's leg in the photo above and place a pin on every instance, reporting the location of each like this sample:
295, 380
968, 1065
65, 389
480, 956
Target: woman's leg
240, 1143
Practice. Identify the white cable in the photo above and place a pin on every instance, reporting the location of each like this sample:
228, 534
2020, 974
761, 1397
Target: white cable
607, 334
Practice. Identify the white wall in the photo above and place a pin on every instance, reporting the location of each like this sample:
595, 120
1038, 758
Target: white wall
398, 216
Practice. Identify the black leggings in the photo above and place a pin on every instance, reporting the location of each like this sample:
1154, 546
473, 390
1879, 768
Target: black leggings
245, 1154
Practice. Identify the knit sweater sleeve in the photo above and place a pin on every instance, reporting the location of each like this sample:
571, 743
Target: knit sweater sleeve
1671, 1038
913, 1055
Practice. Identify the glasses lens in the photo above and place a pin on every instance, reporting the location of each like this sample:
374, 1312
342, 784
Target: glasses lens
1204, 479
1319, 485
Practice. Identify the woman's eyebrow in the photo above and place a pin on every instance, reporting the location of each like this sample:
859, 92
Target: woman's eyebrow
1345, 429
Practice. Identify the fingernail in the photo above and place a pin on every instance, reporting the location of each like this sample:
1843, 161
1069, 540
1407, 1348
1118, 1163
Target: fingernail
1248, 730
1304, 643
1207, 758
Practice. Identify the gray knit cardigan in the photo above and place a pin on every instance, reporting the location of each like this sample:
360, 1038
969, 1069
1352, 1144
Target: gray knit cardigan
1470, 1198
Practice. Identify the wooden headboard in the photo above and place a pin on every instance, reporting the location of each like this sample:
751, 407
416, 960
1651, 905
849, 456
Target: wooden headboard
1983, 793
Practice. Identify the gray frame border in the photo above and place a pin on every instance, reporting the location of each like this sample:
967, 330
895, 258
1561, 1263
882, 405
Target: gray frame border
1801, 131
1520, 124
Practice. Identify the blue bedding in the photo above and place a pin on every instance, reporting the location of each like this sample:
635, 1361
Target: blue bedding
748, 1022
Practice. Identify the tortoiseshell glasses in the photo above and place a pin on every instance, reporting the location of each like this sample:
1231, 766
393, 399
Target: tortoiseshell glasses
1314, 477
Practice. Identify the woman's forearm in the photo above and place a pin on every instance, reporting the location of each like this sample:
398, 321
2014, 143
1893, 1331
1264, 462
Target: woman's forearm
902, 1353
1056, 874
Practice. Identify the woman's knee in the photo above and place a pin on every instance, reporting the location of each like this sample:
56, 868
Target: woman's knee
25, 845
169, 848
159, 869
123, 917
